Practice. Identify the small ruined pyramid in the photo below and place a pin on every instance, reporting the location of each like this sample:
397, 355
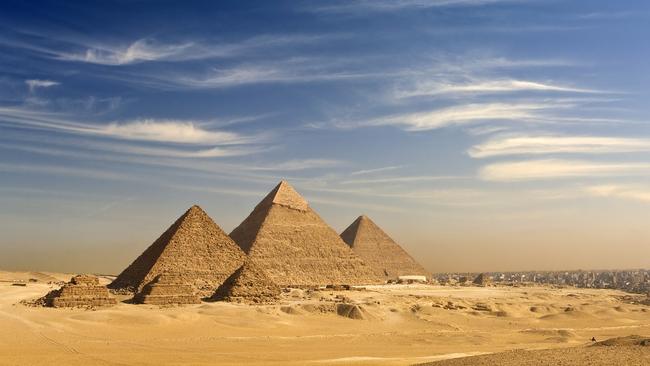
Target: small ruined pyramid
375, 247
249, 284
81, 291
167, 289
194, 248
295, 247
481, 280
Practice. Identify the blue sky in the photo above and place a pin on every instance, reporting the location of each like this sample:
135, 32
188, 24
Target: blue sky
481, 134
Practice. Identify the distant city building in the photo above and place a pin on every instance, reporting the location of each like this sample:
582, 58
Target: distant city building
634, 281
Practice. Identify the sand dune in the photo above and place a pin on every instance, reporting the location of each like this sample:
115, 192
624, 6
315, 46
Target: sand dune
629, 351
383, 325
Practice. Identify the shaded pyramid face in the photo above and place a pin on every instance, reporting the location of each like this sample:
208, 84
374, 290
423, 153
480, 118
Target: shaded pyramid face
376, 248
294, 246
194, 248
249, 284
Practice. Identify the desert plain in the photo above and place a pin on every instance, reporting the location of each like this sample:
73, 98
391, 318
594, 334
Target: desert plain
394, 325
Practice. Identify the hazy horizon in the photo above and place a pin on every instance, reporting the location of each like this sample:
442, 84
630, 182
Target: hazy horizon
482, 135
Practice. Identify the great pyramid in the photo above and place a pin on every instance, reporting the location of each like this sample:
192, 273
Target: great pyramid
249, 284
194, 248
375, 247
295, 247
81, 291
167, 289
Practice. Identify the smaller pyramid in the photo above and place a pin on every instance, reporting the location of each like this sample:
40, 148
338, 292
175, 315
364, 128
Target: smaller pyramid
167, 289
249, 284
81, 291
380, 251
481, 280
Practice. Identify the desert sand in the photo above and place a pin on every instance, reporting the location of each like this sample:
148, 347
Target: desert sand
400, 325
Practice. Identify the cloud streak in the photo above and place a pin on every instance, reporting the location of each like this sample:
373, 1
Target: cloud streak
549, 169
33, 84
556, 144
157, 130
634, 193
486, 87
364, 6
461, 115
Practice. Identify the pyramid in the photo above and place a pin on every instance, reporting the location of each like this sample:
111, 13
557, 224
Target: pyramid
376, 248
81, 291
194, 248
481, 280
167, 289
249, 284
295, 247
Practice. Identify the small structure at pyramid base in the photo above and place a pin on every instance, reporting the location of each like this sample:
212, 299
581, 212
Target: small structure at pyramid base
249, 284
81, 291
167, 289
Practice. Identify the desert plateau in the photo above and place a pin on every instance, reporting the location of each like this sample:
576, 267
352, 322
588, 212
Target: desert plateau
391, 325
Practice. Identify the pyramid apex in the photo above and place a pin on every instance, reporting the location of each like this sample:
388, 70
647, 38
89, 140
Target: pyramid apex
285, 195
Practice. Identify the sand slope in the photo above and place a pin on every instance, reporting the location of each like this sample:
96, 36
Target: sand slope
401, 325
617, 351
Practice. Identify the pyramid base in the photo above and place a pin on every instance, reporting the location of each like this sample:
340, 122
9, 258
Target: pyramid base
167, 300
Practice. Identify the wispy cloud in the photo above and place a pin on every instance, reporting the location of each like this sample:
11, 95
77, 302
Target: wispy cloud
557, 168
293, 70
64, 171
402, 179
171, 131
486, 87
554, 144
298, 164
460, 115
635, 193
33, 84
361, 6
139, 51
151, 49
375, 170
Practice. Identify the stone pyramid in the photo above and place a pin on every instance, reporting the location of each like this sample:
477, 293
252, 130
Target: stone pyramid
481, 280
376, 248
81, 291
249, 284
295, 247
167, 289
194, 248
